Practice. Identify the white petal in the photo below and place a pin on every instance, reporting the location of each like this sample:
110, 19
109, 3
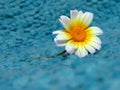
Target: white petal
57, 32
60, 43
65, 21
70, 47
81, 51
86, 19
96, 40
95, 45
95, 30
73, 14
90, 49
62, 38
80, 14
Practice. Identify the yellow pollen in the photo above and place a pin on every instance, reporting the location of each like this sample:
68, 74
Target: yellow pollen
78, 34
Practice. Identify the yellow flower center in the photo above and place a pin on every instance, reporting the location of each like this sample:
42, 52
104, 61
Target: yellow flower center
78, 33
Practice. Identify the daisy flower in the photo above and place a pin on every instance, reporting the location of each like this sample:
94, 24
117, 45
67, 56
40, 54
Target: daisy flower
77, 37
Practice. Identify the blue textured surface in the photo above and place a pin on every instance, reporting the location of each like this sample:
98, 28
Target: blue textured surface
25, 31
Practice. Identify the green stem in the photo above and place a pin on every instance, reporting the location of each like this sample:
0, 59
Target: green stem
59, 54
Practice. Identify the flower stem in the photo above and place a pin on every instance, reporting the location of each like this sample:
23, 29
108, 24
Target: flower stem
59, 54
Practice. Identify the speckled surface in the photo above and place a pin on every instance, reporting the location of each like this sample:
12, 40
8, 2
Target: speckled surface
25, 31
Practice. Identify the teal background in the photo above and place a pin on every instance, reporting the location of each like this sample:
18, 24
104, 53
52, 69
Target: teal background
26, 28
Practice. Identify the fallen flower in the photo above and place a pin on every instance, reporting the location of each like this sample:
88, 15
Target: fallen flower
77, 37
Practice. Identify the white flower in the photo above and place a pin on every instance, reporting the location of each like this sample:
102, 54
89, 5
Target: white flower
77, 37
